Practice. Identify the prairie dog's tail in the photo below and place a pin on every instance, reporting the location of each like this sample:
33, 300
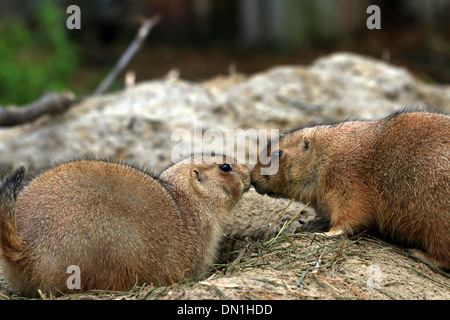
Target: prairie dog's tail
10, 244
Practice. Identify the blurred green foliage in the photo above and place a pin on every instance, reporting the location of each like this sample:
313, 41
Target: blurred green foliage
35, 59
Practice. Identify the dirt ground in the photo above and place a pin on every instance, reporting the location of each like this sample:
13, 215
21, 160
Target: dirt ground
298, 266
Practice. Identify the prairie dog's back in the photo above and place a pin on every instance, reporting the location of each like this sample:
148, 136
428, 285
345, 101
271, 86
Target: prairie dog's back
88, 194
413, 178
414, 161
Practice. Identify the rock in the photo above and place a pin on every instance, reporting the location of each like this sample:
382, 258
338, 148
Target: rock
139, 124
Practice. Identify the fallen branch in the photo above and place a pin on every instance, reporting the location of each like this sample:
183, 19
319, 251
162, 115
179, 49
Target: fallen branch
51, 103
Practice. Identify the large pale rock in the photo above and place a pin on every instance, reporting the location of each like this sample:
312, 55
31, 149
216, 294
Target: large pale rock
137, 123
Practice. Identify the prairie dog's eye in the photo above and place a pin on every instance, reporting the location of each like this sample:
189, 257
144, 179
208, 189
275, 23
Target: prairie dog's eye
276, 155
225, 167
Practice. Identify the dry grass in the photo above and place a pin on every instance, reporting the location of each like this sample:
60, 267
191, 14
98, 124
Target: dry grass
299, 266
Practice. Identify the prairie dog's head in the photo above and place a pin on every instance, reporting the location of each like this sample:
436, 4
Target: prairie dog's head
219, 180
289, 167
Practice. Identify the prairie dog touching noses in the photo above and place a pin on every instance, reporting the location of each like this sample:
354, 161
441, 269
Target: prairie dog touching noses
390, 175
119, 224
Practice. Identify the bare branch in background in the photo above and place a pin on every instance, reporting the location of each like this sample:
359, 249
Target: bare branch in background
144, 30
51, 103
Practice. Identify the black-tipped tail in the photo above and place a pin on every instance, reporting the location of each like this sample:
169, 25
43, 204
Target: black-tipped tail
10, 244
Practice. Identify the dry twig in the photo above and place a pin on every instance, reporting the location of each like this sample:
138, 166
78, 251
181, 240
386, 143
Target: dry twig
325, 279
142, 34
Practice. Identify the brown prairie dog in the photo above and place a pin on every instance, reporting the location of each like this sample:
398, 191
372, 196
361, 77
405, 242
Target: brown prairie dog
390, 175
117, 223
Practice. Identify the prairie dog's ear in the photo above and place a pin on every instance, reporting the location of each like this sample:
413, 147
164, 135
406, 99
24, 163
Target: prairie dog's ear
196, 175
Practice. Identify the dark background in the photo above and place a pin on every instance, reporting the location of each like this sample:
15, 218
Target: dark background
205, 38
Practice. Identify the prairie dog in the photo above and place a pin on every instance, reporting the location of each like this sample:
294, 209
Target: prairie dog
390, 175
118, 223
